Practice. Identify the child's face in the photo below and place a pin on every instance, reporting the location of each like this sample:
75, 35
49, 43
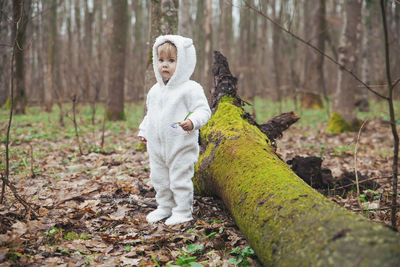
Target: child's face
166, 64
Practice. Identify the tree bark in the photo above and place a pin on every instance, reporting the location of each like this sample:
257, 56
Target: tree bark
286, 222
314, 62
138, 51
20, 16
344, 98
226, 29
4, 54
199, 41
362, 94
99, 77
397, 41
54, 59
206, 81
164, 20
276, 38
184, 18
88, 85
115, 109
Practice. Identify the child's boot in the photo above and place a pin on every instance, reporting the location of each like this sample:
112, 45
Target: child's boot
158, 214
179, 217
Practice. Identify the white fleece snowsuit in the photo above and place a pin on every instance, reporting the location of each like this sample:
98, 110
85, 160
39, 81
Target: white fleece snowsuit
172, 151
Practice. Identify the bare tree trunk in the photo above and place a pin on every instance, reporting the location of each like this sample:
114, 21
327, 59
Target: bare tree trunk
366, 52
314, 83
5, 33
396, 48
53, 59
3, 79
88, 66
115, 109
21, 11
226, 28
199, 40
184, 18
348, 56
207, 78
275, 53
138, 50
243, 63
264, 72
163, 20
70, 58
48, 93
99, 69
40, 47
77, 75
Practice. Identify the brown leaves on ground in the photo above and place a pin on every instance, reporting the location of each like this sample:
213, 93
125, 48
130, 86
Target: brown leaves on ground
92, 208
92, 211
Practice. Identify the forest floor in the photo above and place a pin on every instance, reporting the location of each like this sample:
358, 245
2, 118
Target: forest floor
92, 207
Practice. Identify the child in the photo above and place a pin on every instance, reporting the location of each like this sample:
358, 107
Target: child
176, 109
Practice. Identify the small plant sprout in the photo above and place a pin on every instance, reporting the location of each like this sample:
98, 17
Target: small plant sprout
241, 258
175, 124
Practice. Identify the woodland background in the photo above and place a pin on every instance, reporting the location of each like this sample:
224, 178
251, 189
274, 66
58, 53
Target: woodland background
68, 47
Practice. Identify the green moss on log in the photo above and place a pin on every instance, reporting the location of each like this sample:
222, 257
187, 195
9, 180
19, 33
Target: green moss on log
286, 222
337, 124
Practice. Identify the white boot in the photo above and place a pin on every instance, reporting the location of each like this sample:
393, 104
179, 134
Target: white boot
158, 215
179, 217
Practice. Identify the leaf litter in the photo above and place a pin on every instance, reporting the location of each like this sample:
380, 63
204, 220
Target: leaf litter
92, 212
92, 208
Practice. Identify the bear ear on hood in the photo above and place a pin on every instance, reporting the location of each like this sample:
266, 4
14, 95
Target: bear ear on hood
188, 42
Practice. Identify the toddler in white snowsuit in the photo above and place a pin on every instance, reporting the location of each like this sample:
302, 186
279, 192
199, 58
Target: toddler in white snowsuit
176, 109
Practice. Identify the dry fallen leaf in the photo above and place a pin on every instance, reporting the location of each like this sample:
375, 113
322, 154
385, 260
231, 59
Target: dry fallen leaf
19, 228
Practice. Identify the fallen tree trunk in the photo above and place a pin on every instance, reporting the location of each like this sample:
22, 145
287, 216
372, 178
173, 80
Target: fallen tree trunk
286, 222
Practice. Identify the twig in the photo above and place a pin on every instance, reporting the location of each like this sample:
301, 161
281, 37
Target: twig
75, 124
384, 208
395, 83
392, 117
27, 206
5, 180
355, 162
308, 43
104, 127
33, 175
360, 182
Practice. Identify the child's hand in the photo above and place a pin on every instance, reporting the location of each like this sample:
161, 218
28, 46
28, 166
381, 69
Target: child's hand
143, 140
186, 125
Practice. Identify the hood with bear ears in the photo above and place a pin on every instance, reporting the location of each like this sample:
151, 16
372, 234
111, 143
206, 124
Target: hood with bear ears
186, 59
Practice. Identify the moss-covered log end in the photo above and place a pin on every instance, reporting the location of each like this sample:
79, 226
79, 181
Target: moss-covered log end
337, 124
